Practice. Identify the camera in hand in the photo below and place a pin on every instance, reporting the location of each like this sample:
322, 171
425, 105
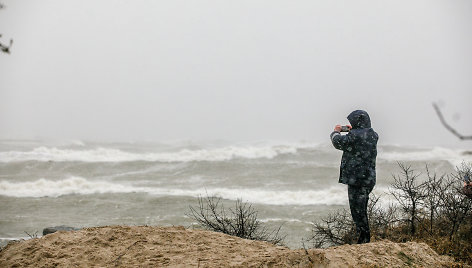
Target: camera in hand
345, 129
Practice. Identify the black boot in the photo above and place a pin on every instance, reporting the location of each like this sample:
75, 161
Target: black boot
364, 237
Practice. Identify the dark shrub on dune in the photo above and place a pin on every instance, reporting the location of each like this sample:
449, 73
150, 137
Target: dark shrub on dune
240, 221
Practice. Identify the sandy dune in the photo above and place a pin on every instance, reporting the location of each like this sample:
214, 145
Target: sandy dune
145, 246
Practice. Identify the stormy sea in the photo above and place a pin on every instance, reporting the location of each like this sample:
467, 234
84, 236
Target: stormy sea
84, 184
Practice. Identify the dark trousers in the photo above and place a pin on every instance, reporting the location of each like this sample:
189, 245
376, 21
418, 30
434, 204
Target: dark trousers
358, 199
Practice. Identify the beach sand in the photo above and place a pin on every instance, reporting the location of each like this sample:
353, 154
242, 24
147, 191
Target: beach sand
146, 246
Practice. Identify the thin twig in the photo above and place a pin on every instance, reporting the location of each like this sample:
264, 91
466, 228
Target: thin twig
307, 254
32, 235
5, 48
447, 126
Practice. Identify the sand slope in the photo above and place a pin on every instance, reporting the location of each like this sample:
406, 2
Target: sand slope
144, 246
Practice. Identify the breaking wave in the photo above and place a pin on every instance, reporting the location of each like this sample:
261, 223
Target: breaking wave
455, 157
73, 185
107, 154
78, 185
115, 155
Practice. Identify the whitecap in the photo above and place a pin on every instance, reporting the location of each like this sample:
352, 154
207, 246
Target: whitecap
78, 185
115, 155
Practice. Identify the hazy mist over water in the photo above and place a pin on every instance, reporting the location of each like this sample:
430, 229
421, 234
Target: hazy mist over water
237, 71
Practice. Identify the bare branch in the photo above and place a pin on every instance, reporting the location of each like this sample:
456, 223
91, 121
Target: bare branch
32, 235
5, 48
447, 126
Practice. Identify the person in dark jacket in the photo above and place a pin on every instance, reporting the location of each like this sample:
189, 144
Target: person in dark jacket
357, 170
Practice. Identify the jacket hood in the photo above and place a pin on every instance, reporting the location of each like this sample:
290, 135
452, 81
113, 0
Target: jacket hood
359, 119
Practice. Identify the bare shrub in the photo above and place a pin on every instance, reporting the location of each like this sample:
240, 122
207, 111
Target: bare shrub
338, 228
241, 221
455, 207
381, 219
434, 186
409, 194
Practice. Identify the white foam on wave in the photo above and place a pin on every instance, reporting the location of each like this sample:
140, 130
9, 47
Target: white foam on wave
329, 196
115, 155
266, 220
72, 185
78, 185
455, 157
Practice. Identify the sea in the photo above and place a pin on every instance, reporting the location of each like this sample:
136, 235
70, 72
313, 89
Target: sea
85, 184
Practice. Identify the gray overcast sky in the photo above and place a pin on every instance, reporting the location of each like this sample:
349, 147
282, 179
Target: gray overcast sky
236, 70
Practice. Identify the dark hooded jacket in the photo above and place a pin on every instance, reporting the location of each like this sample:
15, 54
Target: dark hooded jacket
359, 148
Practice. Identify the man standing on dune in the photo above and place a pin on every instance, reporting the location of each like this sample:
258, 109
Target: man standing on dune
359, 148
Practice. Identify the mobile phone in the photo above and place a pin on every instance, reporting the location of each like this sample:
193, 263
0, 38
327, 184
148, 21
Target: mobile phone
345, 129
